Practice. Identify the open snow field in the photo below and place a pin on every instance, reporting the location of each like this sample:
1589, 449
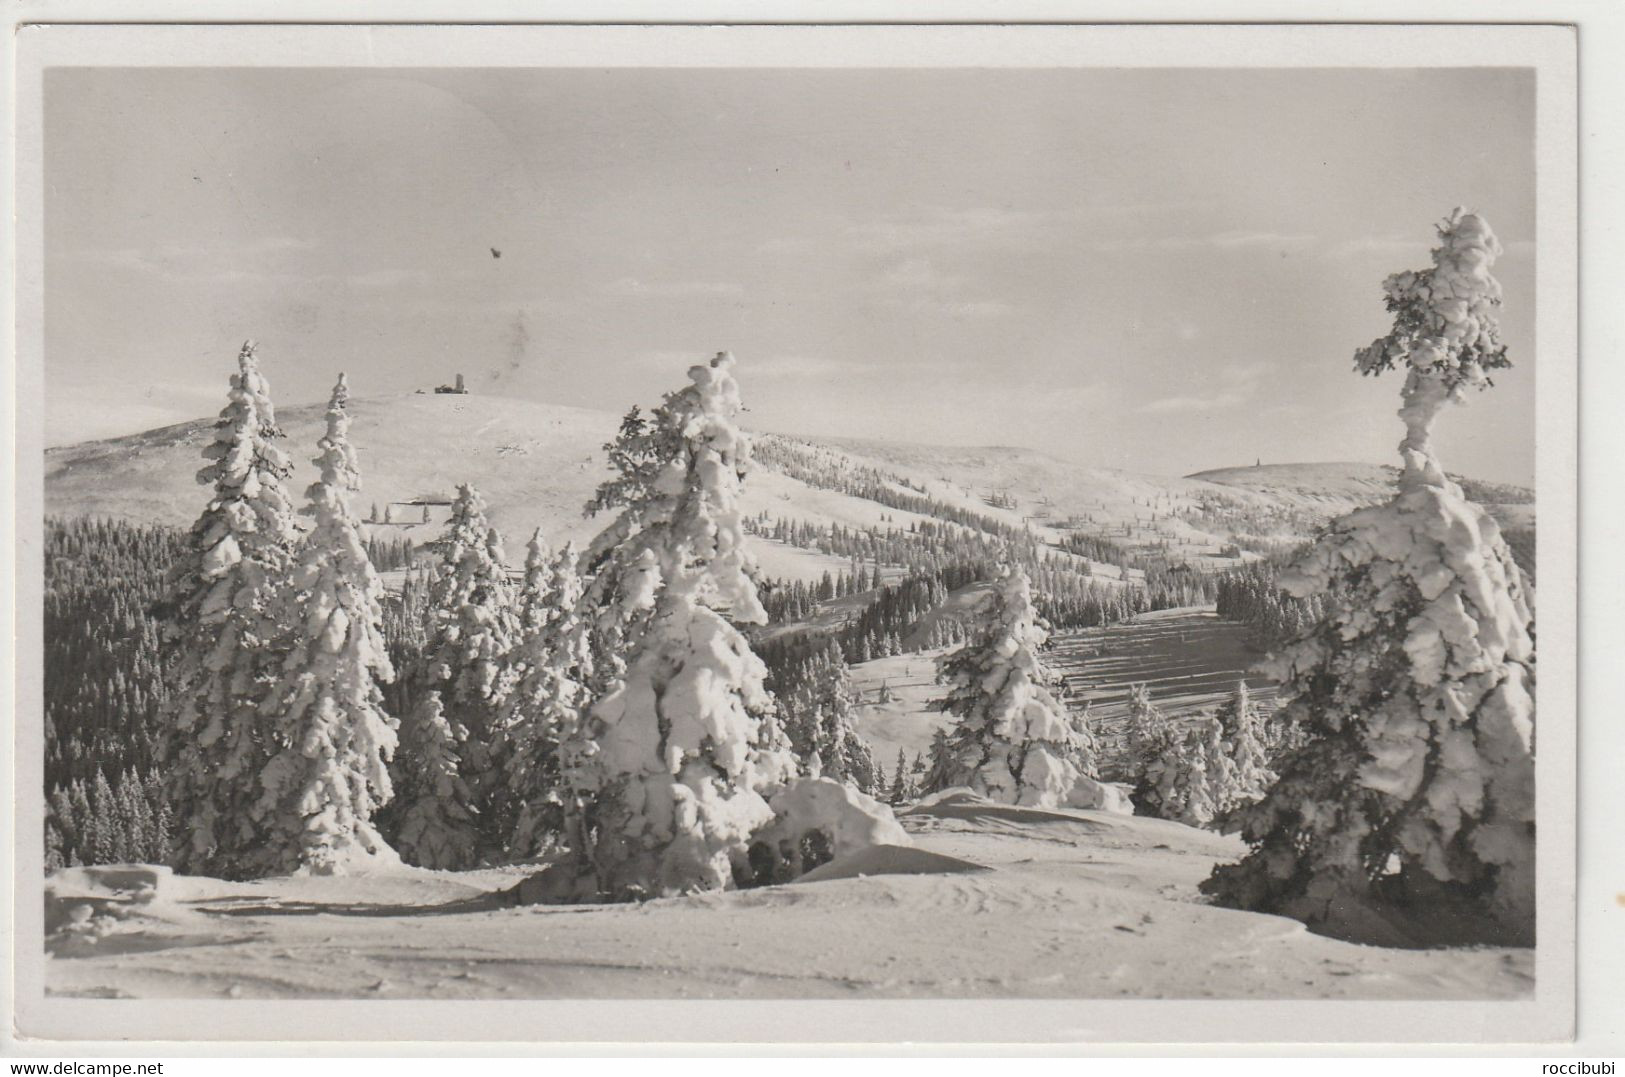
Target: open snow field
1032, 904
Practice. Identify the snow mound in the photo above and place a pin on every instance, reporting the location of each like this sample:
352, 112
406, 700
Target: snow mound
815, 821
966, 804
84, 905
891, 860
821, 819
1092, 795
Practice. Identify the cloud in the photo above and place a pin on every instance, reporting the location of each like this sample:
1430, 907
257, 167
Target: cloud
952, 307
1409, 245
1062, 399
983, 308
824, 366
1238, 384
1279, 242
937, 227
88, 409
806, 367
943, 226
677, 359
677, 289
1243, 373
386, 278
926, 227
752, 366
1275, 241
918, 275
1395, 244
167, 256
918, 285
269, 261
784, 366
1179, 405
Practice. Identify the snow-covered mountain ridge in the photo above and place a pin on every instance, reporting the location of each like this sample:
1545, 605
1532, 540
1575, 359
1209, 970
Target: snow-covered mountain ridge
537, 464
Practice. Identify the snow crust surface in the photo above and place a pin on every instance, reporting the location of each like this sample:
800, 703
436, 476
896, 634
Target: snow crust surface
1018, 903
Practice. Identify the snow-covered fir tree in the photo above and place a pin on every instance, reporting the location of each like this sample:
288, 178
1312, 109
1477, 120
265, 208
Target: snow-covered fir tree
1219, 785
1245, 745
1178, 783
504, 801
472, 627
535, 601
1013, 741
82, 814
902, 787
816, 716
1416, 781
1084, 747
225, 598
436, 820
847, 756
62, 832
546, 702
671, 771
941, 766
643, 448
1149, 736
104, 842
56, 846
330, 775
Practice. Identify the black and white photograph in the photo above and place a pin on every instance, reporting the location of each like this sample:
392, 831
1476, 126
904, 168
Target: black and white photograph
592, 521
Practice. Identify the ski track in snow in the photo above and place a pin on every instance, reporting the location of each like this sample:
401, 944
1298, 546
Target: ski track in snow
1074, 904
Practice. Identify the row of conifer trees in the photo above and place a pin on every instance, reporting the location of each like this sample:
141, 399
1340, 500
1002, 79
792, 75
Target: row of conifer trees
101, 822
281, 753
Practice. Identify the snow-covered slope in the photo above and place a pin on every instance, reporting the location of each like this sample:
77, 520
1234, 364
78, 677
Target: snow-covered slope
1340, 487
537, 464
1066, 905
1357, 482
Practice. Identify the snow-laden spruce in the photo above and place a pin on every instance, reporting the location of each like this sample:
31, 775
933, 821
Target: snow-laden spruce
1416, 782
1150, 737
224, 601
1190, 780
1195, 769
472, 626
535, 607
1085, 747
671, 772
434, 813
554, 663
1244, 744
817, 718
330, 774
1013, 741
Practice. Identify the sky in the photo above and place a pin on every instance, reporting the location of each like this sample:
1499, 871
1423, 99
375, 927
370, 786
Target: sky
1157, 270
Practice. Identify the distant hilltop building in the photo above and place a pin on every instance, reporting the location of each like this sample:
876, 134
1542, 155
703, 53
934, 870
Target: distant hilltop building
460, 388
